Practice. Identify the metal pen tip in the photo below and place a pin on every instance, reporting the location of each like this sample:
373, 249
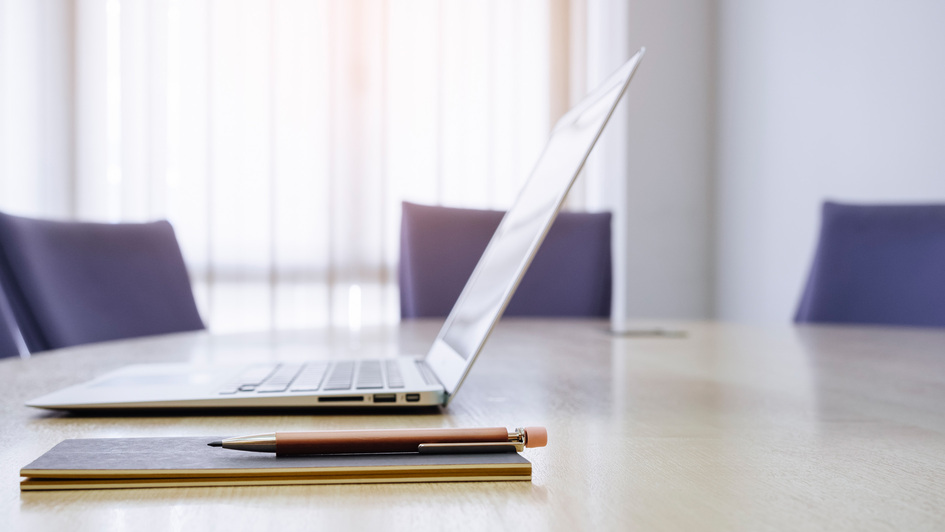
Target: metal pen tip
215, 444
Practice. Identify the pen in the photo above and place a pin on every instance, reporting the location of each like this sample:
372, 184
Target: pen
427, 441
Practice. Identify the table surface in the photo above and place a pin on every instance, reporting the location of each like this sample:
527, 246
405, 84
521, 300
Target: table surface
728, 427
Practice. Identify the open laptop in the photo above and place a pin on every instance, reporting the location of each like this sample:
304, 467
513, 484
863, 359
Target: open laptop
391, 382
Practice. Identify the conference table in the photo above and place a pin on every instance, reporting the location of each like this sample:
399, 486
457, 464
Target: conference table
676, 426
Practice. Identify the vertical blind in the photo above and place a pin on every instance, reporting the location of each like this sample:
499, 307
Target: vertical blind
279, 137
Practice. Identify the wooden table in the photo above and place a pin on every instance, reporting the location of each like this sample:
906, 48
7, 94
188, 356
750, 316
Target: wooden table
730, 427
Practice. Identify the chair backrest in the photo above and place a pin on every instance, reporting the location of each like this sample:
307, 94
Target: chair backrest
879, 264
440, 246
11, 343
72, 283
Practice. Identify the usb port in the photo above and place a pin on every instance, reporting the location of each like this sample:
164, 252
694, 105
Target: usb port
413, 397
385, 398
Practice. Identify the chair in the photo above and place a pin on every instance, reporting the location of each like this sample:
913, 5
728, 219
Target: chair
72, 283
440, 246
878, 264
11, 343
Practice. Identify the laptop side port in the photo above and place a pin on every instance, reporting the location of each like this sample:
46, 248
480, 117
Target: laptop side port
385, 398
340, 398
413, 397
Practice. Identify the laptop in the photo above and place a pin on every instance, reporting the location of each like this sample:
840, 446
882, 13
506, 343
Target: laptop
433, 379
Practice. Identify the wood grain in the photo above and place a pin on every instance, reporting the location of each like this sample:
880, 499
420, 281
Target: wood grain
731, 427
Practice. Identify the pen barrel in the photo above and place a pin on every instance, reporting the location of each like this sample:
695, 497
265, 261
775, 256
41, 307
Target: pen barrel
380, 441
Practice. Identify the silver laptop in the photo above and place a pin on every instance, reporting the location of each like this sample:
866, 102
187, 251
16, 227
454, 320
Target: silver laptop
391, 382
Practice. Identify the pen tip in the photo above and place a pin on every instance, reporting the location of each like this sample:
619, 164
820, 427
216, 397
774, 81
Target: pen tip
215, 444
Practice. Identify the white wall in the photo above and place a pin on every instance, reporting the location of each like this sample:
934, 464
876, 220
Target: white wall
840, 99
666, 145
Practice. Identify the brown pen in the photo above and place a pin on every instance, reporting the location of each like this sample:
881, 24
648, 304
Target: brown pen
475, 440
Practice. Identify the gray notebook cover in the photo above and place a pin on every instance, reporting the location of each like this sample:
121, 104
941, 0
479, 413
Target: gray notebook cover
98, 462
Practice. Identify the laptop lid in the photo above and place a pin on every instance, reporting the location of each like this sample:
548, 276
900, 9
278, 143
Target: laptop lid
523, 228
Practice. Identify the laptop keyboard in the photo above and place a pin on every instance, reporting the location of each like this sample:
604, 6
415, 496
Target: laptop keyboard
315, 376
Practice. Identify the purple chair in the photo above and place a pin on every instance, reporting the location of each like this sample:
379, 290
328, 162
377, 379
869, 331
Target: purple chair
878, 264
10, 339
440, 246
72, 283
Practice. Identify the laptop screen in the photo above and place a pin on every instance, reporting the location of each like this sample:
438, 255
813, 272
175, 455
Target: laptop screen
524, 226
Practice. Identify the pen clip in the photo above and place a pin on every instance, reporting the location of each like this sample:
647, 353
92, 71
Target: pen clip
470, 448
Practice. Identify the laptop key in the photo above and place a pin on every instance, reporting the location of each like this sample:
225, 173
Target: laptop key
310, 378
249, 379
341, 376
369, 375
394, 378
279, 381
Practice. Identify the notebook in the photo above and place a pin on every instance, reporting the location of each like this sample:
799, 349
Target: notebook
116, 463
400, 381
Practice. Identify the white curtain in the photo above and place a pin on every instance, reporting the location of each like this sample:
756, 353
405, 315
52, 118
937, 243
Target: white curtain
280, 136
